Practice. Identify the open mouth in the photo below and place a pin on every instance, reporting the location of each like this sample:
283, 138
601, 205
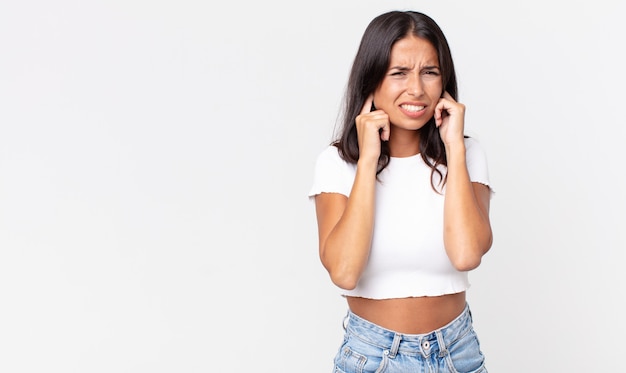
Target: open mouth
412, 108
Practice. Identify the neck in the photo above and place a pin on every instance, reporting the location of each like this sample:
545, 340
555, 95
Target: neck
403, 143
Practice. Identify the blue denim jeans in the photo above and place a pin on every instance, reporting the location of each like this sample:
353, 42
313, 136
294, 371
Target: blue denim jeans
368, 347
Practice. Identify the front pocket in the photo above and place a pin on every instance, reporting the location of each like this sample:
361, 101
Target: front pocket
465, 356
350, 361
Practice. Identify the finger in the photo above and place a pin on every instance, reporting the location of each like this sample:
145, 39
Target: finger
385, 132
440, 112
447, 96
367, 106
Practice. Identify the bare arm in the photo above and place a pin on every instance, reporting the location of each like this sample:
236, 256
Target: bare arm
467, 229
345, 228
345, 224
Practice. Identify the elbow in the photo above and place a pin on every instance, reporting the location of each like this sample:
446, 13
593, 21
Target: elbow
342, 267
470, 257
344, 283
342, 276
467, 263
344, 279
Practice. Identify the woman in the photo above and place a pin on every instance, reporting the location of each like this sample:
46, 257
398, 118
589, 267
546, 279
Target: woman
402, 203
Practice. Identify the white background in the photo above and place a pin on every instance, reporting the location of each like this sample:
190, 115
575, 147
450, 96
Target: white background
155, 158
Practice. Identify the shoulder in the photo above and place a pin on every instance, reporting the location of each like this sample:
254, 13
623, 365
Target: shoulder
474, 149
330, 155
332, 173
473, 144
330, 151
477, 164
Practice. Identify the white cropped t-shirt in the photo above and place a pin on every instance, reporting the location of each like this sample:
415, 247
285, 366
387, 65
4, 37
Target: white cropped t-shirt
407, 257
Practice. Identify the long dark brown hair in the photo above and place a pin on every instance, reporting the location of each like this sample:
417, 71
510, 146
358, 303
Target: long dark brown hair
368, 70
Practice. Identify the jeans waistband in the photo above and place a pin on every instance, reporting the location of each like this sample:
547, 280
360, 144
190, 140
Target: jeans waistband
410, 344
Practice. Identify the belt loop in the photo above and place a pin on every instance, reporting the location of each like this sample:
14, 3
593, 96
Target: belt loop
443, 349
345, 320
395, 345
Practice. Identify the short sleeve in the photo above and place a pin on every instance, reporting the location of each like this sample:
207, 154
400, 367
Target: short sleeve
332, 174
477, 163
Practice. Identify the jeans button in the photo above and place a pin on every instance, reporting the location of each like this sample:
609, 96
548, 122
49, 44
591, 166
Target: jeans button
425, 345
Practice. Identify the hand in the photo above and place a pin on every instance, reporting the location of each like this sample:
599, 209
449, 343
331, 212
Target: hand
372, 127
450, 119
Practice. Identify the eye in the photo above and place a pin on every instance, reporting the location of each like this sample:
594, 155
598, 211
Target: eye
398, 73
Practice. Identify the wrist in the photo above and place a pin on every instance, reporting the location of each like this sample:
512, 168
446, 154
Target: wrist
455, 147
365, 164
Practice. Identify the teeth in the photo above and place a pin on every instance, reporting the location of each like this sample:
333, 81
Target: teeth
412, 108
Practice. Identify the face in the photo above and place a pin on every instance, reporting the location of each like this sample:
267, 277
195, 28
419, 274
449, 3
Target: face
412, 85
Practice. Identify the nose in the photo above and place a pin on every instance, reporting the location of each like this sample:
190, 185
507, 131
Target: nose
415, 85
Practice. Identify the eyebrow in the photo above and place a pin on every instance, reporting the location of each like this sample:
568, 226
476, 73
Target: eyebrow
405, 68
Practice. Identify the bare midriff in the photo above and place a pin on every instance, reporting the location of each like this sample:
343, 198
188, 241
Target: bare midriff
416, 315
